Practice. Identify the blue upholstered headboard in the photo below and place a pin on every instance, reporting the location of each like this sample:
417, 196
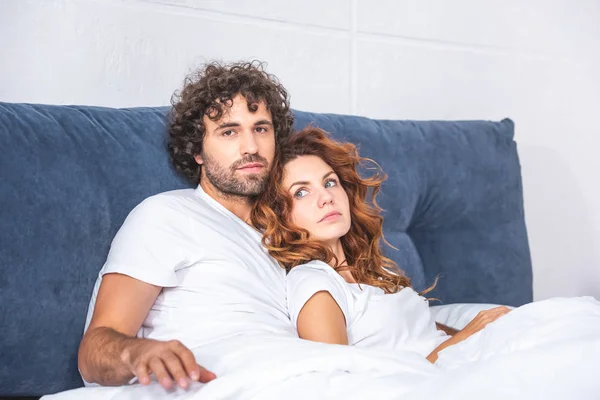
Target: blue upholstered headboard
70, 175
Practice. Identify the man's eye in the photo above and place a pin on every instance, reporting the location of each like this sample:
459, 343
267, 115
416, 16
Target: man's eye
228, 133
330, 183
261, 129
300, 193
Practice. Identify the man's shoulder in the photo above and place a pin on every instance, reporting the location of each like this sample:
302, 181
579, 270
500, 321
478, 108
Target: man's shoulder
173, 200
171, 195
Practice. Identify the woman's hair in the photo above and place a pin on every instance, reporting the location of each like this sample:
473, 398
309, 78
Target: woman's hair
291, 245
208, 93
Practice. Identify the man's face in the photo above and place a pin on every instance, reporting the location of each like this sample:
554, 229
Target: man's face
238, 150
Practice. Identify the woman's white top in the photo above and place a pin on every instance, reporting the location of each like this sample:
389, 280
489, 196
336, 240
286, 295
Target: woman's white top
375, 319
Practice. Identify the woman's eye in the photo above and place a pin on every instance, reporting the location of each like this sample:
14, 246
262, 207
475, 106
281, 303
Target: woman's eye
300, 193
330, 183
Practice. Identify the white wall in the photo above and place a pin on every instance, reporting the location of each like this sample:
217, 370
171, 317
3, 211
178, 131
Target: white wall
534, 61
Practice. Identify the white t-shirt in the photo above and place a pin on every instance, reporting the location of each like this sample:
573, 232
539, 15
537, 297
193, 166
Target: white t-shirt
374, 319
218, 279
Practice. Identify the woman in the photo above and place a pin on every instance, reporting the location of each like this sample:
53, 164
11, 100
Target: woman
318, 224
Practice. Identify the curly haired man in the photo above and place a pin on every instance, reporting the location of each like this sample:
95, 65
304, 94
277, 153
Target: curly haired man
186, 262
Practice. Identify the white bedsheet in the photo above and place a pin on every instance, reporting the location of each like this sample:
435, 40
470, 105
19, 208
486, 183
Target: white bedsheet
544, 350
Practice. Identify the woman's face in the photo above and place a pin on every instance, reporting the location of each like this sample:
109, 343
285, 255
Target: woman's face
320, 203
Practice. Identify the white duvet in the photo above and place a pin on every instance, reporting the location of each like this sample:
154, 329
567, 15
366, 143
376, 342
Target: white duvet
544, 350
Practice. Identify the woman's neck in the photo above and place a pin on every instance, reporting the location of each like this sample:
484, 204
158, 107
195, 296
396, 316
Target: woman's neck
338, 251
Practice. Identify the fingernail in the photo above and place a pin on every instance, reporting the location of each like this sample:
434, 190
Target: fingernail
195, 375
165, 382
183, 383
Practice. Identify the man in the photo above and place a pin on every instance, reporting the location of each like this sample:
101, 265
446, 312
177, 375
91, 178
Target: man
186, 268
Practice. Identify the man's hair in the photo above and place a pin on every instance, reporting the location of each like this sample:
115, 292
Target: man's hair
291, 246
208, 92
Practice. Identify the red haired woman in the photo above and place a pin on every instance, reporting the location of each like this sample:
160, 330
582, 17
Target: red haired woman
318, 223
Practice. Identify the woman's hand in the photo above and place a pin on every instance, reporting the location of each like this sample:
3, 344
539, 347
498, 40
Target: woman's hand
482, 319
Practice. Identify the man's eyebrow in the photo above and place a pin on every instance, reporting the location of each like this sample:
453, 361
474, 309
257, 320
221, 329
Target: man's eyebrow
236, 124
228, 125
263, 122
308, 183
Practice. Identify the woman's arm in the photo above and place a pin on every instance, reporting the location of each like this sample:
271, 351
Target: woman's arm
322, 320
446, 329
478, 323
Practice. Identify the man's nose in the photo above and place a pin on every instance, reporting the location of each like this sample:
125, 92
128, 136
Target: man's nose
248, 143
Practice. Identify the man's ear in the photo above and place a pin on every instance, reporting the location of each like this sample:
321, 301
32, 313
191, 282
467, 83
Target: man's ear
199, 159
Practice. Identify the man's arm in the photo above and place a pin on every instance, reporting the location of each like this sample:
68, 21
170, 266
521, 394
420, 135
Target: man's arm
99, 357
322, 320
110, 354
121, 307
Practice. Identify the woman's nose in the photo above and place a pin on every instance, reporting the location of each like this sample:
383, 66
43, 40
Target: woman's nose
326, 198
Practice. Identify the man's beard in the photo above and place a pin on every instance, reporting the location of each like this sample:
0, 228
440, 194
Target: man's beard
230, 182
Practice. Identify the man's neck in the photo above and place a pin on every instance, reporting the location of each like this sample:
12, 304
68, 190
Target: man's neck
240, 206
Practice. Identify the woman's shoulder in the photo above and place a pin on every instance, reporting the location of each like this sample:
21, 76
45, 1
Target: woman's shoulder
313, 265
314, 268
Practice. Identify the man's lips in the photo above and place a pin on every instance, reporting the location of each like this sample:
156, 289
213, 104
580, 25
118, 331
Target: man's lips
251, 167
330, 216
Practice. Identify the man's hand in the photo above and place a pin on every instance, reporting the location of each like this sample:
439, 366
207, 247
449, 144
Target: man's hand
169, 361
110, 354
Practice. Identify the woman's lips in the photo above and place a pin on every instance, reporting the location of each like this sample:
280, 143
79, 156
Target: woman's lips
331, 216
